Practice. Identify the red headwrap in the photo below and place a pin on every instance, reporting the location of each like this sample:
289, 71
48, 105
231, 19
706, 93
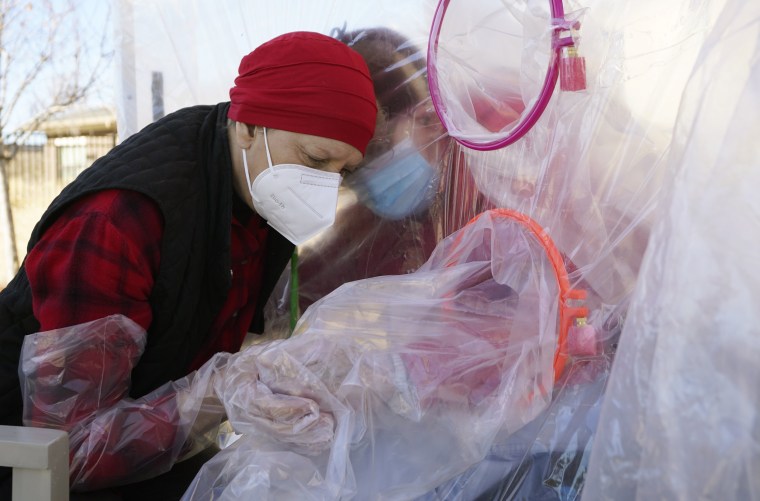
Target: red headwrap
308, 83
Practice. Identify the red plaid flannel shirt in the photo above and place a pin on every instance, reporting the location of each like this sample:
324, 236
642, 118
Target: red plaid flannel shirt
101, 257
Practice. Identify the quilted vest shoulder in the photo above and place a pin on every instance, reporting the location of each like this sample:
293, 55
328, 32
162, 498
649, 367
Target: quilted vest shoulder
182, 162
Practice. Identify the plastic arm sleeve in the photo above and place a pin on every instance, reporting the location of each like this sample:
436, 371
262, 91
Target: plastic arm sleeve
77, 379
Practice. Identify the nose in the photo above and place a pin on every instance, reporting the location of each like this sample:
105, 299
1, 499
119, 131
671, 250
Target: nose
523, 188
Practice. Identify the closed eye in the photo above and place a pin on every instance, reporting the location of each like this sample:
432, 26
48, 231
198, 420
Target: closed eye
316, 161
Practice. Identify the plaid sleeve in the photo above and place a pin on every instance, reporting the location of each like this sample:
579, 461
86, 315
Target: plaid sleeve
99, 258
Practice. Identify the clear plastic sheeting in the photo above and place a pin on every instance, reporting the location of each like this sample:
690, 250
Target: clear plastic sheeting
597, 170
176, 53
548, 458
393, 385
589, 171
681, 418
72, 379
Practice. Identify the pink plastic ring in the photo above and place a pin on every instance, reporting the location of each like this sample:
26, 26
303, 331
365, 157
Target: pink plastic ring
528, 120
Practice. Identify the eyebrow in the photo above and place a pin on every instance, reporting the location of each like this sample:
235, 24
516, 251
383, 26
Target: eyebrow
322, 153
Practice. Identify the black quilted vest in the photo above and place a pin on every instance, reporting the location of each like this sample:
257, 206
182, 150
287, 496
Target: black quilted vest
183, 163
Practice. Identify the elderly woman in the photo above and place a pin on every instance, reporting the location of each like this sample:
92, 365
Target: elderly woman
169, 229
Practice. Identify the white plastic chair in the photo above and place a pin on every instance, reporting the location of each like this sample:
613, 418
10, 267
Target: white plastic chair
40, 461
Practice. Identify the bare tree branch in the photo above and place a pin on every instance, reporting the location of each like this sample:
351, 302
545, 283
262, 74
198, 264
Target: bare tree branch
17, 54
70, 86
45, 66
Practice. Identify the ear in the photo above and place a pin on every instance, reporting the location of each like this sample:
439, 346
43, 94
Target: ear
244, 134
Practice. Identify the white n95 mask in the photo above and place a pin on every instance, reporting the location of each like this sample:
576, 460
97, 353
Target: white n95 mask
297, 201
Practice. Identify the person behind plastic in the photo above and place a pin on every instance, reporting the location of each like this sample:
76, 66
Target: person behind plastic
170, 228
412, 190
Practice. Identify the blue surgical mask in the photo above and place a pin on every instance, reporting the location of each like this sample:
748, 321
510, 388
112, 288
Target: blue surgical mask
396, 184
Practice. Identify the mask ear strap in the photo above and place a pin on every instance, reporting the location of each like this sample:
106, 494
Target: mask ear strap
245, 168
266, 146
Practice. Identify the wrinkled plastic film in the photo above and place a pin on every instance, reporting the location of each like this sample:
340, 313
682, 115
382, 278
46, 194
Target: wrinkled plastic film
548, 457
594, 197
680, 418
590, 172
60, 365
77, 379
385, 376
